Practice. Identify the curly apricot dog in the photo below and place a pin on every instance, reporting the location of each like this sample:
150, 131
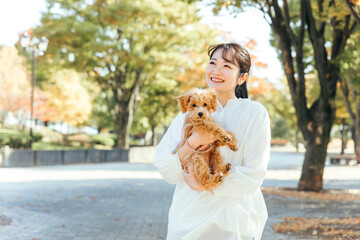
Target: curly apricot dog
200, 104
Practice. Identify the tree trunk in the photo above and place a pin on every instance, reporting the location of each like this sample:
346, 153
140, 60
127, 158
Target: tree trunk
3, 115
123, 103
343, 141
297, 139
316, 137
344, 131
313, 167
357, 135
122, 135
123, 119
349, 90
153, 137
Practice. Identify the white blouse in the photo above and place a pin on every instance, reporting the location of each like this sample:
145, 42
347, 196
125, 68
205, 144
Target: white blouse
236, 209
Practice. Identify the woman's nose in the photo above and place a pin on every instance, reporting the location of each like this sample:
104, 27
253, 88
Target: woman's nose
217, 70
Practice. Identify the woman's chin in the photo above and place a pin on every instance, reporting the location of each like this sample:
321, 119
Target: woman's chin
213, 85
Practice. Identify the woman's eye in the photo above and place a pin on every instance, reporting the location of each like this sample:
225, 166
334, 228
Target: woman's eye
228, 66
211, 62
205, 104
194, 105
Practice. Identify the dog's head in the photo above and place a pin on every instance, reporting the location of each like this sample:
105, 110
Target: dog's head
199, 103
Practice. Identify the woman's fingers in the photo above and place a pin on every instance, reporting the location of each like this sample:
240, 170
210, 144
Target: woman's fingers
203, 138
203, 148
191, 181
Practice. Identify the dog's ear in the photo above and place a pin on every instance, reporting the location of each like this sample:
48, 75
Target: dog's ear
183, 101
213, 100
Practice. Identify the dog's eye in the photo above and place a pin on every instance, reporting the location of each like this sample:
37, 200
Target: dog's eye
205, 104
194, 105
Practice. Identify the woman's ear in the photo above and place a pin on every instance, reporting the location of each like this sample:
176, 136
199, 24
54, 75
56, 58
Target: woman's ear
242, 78
183, 101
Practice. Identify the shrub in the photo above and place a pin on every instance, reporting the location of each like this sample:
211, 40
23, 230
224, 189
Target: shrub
14, 139
105, 140
49, 135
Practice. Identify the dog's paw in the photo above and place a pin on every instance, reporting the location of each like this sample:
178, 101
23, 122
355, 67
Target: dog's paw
220, 179
234, 148
228, 167
232, 145
225, 138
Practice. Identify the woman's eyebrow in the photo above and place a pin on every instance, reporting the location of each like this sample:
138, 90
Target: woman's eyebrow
224, 60
231, 62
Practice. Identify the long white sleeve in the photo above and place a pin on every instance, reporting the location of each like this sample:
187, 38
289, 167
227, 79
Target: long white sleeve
167, 163
246, 178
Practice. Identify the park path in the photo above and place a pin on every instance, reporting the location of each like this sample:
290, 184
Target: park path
120, 201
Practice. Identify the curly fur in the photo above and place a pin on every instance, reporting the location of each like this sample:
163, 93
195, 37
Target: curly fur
199, 105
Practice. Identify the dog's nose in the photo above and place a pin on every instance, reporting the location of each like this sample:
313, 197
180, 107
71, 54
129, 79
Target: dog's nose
200, 114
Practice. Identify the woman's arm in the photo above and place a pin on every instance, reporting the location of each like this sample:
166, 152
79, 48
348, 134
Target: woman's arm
245, 180
167, 163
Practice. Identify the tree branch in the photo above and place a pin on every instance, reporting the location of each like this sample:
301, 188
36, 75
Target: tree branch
264, 11
354, 11
318, 42
269, 9
321, 9
345, 91
302, 103
313, 33
340, 36
287, 21
285, 44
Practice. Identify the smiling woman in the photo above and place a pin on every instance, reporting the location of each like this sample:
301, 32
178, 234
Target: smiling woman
235, 209
225, 60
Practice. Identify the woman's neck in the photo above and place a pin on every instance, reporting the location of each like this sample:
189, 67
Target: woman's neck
223, 99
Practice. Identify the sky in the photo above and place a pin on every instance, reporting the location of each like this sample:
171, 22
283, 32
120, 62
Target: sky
19, 15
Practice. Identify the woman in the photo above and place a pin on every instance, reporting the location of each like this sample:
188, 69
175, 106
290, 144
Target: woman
236, 209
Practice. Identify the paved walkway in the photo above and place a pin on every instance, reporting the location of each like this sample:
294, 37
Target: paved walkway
120, 201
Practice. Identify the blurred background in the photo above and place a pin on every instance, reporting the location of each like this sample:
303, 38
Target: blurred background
104, 74
97, 80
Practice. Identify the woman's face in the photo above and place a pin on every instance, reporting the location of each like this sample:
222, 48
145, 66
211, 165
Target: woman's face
221, 75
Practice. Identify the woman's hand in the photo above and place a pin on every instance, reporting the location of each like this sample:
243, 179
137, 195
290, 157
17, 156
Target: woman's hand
192, 182
204, 139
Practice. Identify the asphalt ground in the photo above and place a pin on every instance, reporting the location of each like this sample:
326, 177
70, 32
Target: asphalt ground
131, 201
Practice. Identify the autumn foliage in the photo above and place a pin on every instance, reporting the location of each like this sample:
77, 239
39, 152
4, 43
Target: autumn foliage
14, 83
327, 228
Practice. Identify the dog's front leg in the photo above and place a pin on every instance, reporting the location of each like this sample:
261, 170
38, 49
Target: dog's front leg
218, 132
232, 142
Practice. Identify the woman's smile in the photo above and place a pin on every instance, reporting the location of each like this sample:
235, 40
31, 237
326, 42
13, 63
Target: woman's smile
217, 80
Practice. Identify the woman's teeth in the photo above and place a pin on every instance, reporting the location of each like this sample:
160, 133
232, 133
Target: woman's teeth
216, 80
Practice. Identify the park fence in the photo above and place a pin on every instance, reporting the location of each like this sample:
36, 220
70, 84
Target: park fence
24, 157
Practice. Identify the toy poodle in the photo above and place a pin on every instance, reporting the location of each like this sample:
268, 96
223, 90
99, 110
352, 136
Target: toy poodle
199, 105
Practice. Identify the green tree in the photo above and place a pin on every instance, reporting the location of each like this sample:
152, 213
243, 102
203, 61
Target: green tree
157, 105
122, 44
350, 86
277, 99
310, 35
352, 5
100, 117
